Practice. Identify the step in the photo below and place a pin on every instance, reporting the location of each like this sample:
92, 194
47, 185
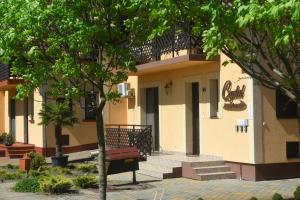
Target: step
155, 174
212, 169
207, 163
20, 151
217, 175
20, 148
15, 155
155, 167
164, 162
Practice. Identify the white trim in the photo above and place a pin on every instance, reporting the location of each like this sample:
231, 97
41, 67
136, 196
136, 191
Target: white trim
191, 79
213, 75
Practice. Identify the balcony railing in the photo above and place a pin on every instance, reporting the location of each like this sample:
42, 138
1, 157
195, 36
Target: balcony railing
170, 43
5, 72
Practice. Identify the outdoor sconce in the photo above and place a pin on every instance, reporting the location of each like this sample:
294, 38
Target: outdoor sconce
168, 87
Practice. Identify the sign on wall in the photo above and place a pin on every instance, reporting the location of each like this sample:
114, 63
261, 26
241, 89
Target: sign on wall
234, 98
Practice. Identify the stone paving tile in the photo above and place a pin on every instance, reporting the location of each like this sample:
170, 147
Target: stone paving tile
172, 189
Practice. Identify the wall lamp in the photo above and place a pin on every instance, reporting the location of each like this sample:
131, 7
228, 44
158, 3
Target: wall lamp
168, 87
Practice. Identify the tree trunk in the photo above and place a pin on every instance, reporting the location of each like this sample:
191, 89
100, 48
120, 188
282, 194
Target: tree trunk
101, 156
298, 114
58, 130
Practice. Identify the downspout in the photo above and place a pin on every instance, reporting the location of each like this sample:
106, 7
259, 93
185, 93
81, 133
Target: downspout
45, 142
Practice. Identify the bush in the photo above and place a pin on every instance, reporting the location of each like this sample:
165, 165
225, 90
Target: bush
86, 181
27, 185
61, 171
8, 140
297, 193
253, 198
11, 176
277, 196
55, 184
2, 136
37, 161
11, 166
38, 173
87, 168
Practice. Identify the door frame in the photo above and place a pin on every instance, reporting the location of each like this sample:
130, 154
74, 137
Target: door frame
11, 125
142, 105
190, 80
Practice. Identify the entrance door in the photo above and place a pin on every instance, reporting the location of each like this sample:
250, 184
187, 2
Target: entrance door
152, 115
12, 117
195, 118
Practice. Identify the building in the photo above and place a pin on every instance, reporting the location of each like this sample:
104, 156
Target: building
195, 106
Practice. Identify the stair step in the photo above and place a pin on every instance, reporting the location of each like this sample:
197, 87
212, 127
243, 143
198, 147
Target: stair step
212, 169
155, 174
164, 162
20, 151
217, 175
20, 148
15, 155
207, 163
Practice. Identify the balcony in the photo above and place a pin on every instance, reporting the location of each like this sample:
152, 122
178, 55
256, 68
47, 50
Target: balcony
7, 80
172, 50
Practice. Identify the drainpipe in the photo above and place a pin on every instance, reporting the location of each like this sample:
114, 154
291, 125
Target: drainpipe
45, 143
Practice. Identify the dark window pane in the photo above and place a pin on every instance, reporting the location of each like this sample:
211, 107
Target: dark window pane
90, 105
285, 107
292, 149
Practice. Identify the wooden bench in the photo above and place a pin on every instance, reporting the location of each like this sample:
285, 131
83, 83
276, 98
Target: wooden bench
122, 160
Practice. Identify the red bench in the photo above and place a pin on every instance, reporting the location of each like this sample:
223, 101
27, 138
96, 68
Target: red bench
122, 160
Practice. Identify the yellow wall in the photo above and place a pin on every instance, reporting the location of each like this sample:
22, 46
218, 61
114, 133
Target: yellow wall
2, 112
276, 134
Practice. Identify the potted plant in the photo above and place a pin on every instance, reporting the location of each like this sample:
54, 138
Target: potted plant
59, 114
2, 137
8, 140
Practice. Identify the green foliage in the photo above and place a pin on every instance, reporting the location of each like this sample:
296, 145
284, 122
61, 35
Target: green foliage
85, 181
277, 196
88, 167
11, 175
61, 171
253, 198
27, 185
2, 136
12, 166
55, 184
37, 160
38, 173
199, 199
297, 193
8, 139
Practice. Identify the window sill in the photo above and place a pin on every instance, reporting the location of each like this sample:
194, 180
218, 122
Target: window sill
214, 117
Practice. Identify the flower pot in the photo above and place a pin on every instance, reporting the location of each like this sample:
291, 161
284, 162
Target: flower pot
24, 163
59, 161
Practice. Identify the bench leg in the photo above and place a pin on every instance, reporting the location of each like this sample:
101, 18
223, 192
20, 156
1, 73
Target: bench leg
134, 177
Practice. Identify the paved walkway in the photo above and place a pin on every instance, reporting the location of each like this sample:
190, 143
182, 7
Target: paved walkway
170, 189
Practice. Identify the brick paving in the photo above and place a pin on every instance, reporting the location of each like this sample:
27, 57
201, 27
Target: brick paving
169, 189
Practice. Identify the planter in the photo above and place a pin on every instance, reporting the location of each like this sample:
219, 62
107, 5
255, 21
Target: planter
61, 161
24, 163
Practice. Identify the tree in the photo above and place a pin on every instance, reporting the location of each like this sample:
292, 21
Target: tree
261, 36
72, 48
60, 115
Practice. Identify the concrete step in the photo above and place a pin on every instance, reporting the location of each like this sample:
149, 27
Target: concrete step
212, 169
20, 151
155, 174
217, 175
164, 162
207, 163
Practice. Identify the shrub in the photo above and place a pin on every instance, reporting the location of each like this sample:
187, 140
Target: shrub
87, 168
8, 140
2, 136
277, 196
27, 185
253, 198
86, 181
11, 166
60, 170
199, 199
297, 193
11, 176
37, 161
38, 173
55, 184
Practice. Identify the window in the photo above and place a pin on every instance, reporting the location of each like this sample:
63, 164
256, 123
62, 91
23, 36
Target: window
292, 150
285, 107
90, 106
214, 97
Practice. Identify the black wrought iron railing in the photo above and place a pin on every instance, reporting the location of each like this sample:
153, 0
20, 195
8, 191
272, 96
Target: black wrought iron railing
5, 72
170, 43
122, 136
